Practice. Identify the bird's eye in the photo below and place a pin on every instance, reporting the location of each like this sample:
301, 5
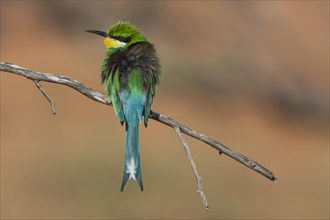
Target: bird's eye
123, 39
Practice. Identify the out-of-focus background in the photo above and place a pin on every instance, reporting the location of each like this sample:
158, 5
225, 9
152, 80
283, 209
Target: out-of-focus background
252, 74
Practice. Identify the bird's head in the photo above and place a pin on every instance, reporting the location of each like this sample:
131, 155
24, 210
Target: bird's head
120, 36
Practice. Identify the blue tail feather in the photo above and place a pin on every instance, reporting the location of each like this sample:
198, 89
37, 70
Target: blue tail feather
132, 165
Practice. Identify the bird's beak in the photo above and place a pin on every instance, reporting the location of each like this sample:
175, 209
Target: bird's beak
109, 42
101, 33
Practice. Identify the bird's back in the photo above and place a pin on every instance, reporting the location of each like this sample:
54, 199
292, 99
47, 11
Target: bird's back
138, 72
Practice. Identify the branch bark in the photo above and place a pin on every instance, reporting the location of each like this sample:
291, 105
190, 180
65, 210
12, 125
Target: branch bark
102, 98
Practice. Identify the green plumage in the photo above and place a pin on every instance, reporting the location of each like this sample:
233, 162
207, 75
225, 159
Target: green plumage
130, 73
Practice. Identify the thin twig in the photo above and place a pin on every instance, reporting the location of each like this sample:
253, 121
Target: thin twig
102, 98
193, 166
49, 99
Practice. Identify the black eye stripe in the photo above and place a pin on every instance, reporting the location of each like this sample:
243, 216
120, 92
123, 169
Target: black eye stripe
122, 38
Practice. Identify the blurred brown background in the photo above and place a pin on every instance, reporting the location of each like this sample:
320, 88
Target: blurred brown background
252, 74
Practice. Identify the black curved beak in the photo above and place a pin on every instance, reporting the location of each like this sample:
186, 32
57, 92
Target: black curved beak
101, 33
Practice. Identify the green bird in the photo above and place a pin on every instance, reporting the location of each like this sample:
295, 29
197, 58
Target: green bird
130, 73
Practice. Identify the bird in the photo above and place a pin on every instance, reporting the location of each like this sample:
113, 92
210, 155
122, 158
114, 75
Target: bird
130, 73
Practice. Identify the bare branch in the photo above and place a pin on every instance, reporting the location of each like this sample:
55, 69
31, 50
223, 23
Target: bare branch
193, 166
216, 145
58, 79
49, 99
102, 98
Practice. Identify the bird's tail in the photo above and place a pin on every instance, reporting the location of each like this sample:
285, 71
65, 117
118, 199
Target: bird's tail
132, 166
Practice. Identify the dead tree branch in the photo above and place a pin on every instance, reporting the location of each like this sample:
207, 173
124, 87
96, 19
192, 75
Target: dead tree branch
193, 166
49, 99
102, 98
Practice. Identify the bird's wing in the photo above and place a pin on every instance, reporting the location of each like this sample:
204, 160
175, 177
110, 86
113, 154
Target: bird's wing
112, 85
147, 106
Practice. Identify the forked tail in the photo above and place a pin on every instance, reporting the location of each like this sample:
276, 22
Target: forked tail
132, 166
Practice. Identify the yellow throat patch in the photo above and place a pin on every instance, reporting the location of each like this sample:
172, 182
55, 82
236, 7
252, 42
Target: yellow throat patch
113, 43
